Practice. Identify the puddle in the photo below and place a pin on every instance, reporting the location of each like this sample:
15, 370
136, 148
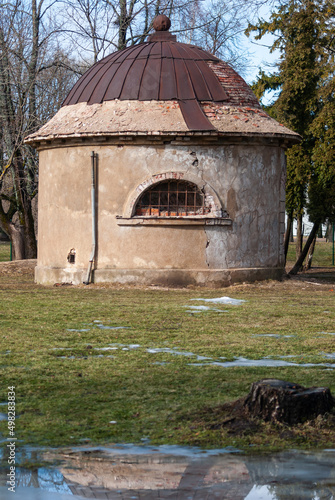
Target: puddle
223, 300
163, 449
186, 473
330, 355
78, 330
3, 416
168, 350
275, 363
105, 348
114, 347
200, 360
100, 325
327, 333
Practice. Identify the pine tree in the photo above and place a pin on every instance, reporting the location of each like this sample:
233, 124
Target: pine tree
304, 33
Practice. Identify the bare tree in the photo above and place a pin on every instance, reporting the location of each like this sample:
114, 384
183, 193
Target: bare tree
217, 27
98, 26
91, 27
36, 73
28, 62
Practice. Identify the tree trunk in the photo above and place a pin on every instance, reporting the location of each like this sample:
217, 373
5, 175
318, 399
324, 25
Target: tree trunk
25, 210
300, 235
29, 231
329, 231
297, 266
16, 235
287, 235
23, 239
310, 254
123, 25
279, 401
291, 234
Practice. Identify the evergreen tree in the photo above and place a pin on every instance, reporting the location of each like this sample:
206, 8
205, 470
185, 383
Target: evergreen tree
304, 33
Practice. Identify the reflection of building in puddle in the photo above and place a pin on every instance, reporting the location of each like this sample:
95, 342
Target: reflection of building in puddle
42, 478
124, 473
225, 473
183, 473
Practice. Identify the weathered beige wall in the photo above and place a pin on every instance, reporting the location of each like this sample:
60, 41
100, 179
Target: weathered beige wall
248, 180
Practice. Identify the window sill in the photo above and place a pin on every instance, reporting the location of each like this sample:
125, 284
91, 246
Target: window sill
173, 221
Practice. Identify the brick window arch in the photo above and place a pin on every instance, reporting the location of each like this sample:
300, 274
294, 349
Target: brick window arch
172, 198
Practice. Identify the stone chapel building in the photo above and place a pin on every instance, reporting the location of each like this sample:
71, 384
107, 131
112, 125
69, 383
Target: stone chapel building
161, 167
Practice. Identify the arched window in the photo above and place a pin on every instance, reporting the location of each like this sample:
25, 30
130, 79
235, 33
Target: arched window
172, 198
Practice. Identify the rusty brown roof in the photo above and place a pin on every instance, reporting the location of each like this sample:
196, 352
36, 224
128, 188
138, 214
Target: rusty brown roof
161, 70
160, 87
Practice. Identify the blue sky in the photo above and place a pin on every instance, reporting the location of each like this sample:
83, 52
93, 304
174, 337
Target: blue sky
260, 54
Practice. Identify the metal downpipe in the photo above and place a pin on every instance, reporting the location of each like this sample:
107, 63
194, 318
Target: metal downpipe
94, 157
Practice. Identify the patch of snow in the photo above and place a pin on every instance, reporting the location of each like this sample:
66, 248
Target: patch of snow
275, 335
103, 327
105, 348
77, 330
198, 309
223, 300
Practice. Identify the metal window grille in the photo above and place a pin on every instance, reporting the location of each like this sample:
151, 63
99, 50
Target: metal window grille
172, 199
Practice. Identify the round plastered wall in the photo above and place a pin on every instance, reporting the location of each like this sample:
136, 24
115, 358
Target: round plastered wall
240, 239
189, 173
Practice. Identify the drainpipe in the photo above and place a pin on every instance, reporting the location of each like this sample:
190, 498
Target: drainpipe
94, 157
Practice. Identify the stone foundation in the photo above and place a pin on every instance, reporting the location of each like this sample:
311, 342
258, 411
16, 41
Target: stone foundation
214, 278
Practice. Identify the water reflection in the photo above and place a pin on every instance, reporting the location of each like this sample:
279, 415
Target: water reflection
174, 472
45, 478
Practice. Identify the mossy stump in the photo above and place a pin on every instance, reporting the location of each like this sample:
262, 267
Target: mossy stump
279, 401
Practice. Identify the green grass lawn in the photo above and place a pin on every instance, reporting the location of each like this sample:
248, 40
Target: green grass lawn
70, 385
4, 251
323, 254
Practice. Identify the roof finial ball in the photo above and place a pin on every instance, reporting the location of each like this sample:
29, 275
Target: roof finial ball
161, 23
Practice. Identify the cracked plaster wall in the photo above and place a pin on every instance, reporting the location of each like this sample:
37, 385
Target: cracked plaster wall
247, 179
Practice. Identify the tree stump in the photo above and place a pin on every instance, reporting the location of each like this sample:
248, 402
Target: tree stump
279, 401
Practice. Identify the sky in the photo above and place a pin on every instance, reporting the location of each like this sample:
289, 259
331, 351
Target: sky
260, 55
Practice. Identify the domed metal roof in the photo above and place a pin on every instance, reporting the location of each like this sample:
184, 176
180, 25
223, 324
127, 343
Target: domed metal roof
155, 70
159, 70
160, 87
